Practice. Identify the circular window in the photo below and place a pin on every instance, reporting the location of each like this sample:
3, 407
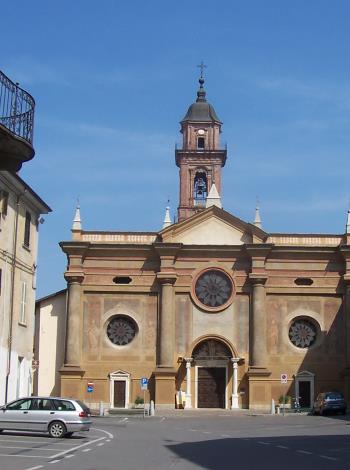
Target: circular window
302, 333
214, 289
121, 330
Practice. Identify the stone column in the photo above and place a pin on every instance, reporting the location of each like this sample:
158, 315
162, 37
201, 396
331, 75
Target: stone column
74, 327
167, 321
234, 405
258, 324
188, 382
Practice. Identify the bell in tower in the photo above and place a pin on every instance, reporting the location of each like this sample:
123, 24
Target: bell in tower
200, 159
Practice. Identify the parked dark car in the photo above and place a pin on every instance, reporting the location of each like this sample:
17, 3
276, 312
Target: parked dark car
329, 402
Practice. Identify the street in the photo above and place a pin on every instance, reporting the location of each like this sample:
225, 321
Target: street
187, 441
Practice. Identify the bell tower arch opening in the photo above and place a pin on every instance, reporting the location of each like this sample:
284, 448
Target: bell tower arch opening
201, 148
200, 191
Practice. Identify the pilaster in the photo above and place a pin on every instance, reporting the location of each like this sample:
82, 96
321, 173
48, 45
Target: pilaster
258, 340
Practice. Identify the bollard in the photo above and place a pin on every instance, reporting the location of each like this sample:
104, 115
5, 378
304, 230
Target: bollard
101, 409
273, 410
151, 409
278, 409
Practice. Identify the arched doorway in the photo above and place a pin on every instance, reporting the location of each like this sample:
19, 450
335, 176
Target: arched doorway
211, 358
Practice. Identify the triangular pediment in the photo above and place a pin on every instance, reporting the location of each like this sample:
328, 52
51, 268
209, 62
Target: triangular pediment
213, 226
119, 373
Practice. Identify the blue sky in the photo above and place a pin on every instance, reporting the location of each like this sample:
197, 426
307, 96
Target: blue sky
112, 80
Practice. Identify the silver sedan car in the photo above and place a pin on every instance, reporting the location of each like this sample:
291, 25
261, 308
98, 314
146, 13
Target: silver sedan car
60, 417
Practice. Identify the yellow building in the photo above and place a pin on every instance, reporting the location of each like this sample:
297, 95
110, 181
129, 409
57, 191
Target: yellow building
212, 310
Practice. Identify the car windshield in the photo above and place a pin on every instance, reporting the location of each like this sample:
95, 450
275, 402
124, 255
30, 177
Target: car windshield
334, 396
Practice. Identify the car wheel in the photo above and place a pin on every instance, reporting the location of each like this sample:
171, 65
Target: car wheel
57, 429
68, 434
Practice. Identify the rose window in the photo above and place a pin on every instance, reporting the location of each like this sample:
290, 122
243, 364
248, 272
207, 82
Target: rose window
121, 330
302, 333
213, 288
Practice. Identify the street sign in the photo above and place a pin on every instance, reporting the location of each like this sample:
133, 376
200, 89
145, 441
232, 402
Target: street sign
90, 387
144, 383
284, 378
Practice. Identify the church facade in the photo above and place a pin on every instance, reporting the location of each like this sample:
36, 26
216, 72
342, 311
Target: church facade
212, 310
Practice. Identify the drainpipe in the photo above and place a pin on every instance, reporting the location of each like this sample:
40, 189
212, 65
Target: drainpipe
9, 337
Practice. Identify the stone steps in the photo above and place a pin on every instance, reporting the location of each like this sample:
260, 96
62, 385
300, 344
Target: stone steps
126, 411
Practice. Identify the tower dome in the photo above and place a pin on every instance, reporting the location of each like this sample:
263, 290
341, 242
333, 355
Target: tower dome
201, 110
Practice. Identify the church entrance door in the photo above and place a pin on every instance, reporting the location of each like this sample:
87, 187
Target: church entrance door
119, 393
304, 388
119, 389
304, 394
211, 387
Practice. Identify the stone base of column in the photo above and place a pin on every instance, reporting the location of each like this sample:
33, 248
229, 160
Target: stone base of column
255, 371
234, 402
165, 387
188, 405
259, 389
72, 384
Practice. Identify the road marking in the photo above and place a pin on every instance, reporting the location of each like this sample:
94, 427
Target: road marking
206, 432
54, 461
123, 420
106, 432
162, 419
35, 468
100, 444
327, 457
76, 448
225, 435
28, 448
34, 442
86, 450
25, 456
282, 447
265, 443
304, 452
69, 456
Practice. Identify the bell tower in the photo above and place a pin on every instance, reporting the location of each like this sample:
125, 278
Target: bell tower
200, 159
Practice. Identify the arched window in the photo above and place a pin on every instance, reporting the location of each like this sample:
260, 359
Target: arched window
200, 143
200, 188
211, 349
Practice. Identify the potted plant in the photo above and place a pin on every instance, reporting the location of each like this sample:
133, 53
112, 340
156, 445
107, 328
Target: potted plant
139, 402
285, 401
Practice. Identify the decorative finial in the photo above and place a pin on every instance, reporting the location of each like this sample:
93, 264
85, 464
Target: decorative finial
202, 66
167, 219
77, 219
201, 92
213, 198
348, 222
257, 220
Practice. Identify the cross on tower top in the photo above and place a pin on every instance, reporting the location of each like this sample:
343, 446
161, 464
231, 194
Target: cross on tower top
202, 66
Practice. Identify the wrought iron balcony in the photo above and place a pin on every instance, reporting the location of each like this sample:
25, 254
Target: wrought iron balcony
16, 125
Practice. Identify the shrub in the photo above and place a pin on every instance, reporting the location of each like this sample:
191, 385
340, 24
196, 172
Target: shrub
139, 400
284, 399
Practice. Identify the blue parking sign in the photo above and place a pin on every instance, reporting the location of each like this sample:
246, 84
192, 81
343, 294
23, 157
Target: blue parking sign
144, 383
90, 387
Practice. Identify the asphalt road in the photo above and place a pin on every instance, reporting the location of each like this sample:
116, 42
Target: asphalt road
187, 442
